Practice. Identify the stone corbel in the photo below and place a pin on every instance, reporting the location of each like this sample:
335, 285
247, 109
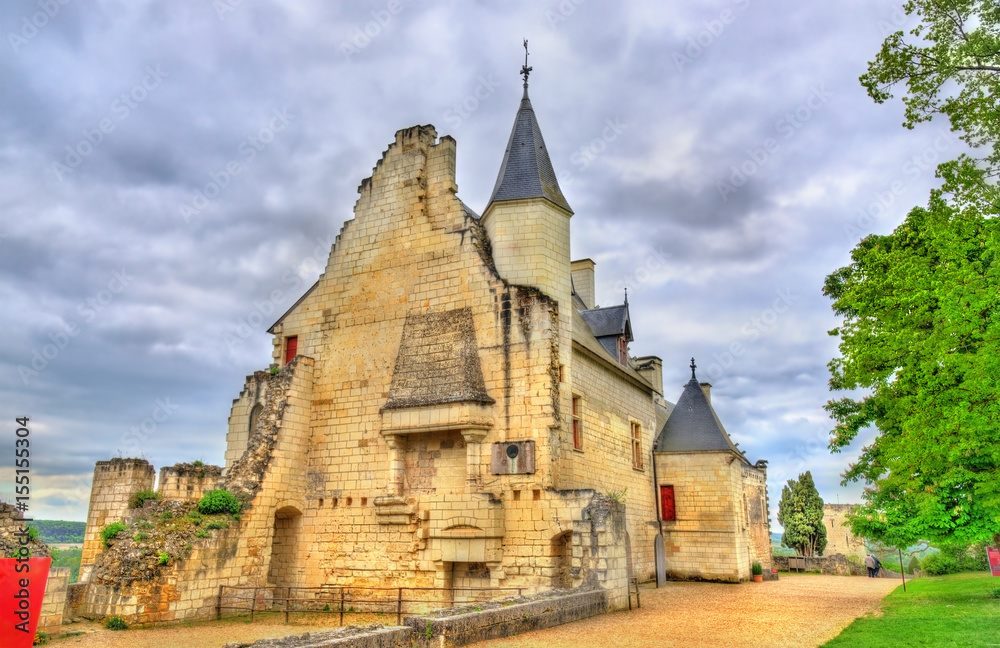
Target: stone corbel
473, 454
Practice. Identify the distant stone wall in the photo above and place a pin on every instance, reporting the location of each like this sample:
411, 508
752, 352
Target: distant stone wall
835, 564
188, 481
839, 538
114, 483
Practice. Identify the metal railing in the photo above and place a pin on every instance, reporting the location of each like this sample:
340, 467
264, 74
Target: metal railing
352, 600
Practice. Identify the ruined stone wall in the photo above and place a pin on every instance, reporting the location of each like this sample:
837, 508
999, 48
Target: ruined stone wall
707, 540
114, 482
610, 403
839, 538
186, 589
188, 481
54, 602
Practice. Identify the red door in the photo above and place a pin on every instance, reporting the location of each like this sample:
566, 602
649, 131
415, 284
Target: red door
291, 348
667, 513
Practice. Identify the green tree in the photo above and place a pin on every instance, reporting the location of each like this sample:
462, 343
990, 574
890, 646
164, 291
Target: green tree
919, 306
921, 331
800, 512
950, 65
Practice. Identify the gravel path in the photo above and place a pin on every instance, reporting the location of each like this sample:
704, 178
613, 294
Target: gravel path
798, 611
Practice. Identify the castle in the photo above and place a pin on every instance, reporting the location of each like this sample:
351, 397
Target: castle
448, 407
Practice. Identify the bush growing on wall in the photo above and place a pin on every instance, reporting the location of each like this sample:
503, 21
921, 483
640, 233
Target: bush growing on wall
219, 501
110, 531
136, 500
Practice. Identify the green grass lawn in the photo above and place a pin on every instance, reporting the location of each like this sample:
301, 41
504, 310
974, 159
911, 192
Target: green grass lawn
939, 612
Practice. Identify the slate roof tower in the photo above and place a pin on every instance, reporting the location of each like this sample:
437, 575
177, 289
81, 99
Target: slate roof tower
527, 220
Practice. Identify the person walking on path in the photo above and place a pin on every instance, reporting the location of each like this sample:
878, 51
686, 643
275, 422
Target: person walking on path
878, 566
870, 565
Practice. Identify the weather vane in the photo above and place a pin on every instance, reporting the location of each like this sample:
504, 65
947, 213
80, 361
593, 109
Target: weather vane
525, 70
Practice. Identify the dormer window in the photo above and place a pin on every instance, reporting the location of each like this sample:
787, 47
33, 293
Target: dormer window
623, 351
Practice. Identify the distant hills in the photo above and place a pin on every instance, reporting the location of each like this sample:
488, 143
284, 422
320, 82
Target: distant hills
59, 531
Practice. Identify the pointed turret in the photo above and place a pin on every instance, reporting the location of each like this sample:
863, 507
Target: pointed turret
526, 171
693, 425
527, 218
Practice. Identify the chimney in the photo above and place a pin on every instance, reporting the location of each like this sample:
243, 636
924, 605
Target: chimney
582, 272
651, 368
707, 389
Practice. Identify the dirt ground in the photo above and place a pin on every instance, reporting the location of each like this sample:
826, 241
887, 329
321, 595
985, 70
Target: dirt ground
798, 611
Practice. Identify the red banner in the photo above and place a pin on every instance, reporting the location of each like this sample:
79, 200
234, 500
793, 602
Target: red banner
994, 555
22, 586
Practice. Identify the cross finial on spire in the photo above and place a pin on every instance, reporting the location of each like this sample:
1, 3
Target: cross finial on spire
693, 365
525, 70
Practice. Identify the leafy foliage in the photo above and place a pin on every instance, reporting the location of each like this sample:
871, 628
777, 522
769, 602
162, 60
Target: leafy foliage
115, 623
913, 565
219, 501
800, 512
921, 331
68, 558
136, 500
109, 532
939, 565
955, 46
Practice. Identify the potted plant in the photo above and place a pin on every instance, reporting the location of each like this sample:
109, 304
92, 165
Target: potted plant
758, 572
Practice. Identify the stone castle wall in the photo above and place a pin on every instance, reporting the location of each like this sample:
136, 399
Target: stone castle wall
114, 482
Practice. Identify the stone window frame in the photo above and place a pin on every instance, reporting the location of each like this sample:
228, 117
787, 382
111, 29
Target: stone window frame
577, 424
635, 428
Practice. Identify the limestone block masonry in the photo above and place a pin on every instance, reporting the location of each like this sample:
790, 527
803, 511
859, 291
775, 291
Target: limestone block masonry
439, 413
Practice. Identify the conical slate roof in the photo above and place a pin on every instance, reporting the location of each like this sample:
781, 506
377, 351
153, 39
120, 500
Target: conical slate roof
693, 425
526, 171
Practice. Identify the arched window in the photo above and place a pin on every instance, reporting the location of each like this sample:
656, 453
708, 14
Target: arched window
254, 415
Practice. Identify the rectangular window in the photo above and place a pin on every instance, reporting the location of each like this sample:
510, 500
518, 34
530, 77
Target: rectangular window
291, 348
577, 423
636, 445
623, 351
667, 512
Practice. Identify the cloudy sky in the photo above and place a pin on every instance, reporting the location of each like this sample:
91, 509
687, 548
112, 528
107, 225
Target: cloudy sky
172, 175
